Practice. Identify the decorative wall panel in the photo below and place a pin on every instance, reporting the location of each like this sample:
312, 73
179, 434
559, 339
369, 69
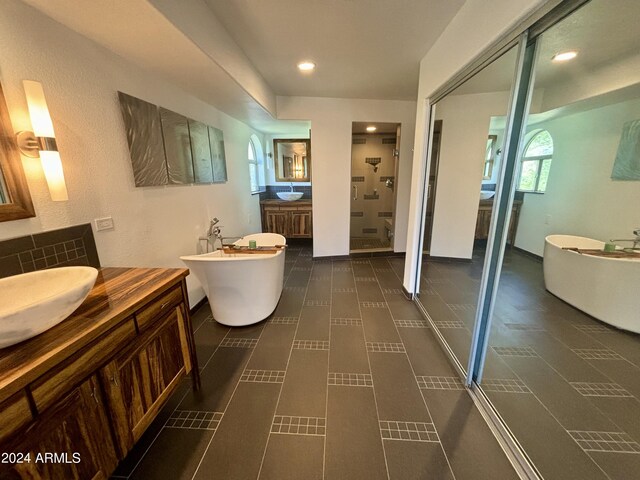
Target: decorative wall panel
200, 152
177, 147
169, 148
218, 158
144, 135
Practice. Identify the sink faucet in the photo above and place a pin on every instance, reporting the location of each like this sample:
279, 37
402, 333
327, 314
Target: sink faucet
291, 184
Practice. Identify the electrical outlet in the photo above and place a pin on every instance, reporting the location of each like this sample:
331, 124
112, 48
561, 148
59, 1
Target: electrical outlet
105, 223
547, 219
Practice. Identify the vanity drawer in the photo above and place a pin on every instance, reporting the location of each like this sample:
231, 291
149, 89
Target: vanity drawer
56, 383
158, 307
15, 414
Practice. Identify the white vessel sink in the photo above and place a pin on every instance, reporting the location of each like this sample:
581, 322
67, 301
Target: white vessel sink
289, 196
34, 302
486, 194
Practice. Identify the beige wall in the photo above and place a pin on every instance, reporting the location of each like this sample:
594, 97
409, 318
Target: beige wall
331, 122
153, 226
466, 121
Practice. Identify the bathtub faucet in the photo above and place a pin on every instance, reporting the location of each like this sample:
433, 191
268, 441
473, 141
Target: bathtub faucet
214, 233
635, 241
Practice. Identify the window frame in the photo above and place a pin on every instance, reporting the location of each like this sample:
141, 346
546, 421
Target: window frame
535, 158
253, 167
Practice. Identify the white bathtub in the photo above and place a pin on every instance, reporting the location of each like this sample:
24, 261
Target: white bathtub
605, 288
242, 288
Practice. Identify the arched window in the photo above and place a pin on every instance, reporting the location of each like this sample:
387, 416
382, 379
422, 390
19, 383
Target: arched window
536, 163
253, 167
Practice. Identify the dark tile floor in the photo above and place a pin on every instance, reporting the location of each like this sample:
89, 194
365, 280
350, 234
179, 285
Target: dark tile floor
567, 385
344, 381
365, 243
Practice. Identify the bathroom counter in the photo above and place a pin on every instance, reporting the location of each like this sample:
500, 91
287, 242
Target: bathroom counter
116, 295
94, 383
277, 201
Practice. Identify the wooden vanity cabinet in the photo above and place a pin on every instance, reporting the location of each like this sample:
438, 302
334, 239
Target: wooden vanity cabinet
139, 380
90, 387
291, 219
275, 220
76, 430
483, 222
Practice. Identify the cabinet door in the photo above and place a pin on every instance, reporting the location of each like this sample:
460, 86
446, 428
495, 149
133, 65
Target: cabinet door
483, 223
513, 224
300, 226
138, 382
276, 221
71, 440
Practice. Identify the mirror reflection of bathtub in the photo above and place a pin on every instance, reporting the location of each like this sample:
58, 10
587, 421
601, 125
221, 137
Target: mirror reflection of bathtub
242, 289
605, 288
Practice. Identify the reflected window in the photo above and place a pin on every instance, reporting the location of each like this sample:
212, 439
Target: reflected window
536, 163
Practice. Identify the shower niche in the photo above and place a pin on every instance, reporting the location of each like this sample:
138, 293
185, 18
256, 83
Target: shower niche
374, 165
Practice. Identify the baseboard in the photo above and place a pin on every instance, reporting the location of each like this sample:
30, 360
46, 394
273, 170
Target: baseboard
331, 258
362, 255
527, 253
433, 258
193, 309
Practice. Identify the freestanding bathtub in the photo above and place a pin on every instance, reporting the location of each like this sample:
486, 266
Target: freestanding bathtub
242, 288
605, 288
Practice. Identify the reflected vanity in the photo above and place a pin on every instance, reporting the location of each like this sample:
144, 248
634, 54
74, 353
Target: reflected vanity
292, 160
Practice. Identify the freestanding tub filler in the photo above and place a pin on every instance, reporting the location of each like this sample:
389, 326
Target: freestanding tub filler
605, 288
242, 288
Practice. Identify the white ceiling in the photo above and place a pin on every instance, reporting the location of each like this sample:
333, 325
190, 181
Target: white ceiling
603, 32
237, 55
381, 128
362, 48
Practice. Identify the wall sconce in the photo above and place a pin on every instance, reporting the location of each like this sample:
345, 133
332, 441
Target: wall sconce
42, 142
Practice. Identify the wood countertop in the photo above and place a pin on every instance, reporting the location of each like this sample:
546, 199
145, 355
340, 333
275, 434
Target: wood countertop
277, 201
116, 295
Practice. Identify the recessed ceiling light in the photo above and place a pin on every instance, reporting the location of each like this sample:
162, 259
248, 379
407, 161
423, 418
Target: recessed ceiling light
306, 66
564, 56
371, 129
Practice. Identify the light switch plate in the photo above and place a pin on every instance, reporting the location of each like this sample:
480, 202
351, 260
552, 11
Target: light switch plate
105, 223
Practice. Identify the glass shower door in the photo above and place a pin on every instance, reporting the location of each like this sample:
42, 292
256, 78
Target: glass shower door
374, 163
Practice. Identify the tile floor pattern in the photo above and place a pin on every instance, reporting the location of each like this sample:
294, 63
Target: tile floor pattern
343, 381
567, 385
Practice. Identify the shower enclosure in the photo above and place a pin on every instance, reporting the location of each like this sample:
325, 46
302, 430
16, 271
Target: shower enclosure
374, 165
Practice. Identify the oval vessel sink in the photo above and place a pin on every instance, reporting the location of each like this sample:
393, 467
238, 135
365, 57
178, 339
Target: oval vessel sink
289, 196
34, 302
486, 194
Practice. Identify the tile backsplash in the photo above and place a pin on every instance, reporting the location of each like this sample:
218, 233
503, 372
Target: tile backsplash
272, 190
56, 248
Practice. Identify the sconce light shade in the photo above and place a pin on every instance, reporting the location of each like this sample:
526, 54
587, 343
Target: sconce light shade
38, 111
45, 138
52, 166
